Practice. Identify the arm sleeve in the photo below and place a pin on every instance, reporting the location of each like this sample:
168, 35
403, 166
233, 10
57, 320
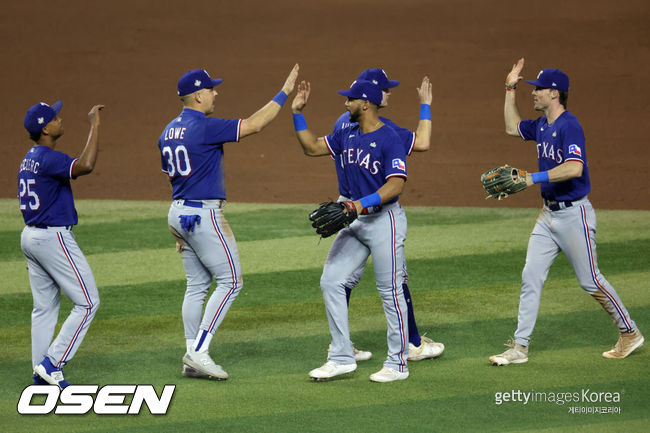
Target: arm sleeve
394, 157
333, 142
527, 129
406, 136
59, 165
573, 139
222, 130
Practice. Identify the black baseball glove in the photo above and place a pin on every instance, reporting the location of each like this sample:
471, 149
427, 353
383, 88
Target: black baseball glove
330, 217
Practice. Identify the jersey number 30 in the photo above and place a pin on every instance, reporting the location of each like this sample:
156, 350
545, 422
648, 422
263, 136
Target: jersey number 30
178, 161
26, 191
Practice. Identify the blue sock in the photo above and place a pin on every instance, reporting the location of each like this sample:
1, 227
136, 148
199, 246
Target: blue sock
414, 335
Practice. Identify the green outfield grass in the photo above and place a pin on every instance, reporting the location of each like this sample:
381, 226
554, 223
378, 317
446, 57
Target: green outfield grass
464, 267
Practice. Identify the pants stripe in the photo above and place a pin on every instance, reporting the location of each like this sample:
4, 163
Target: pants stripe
84, 290
400, 319
592, 268
232, 270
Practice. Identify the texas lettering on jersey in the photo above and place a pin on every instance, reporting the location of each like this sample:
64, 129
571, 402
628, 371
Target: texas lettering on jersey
361, 158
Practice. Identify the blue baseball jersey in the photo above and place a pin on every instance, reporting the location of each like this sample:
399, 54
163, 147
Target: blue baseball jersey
191, 150
406, 136
44, 189
557, 143
367, 160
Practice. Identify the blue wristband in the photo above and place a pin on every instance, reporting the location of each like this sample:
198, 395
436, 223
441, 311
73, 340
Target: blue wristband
539, 177
425, 112
299, 122
370, 200
280, 98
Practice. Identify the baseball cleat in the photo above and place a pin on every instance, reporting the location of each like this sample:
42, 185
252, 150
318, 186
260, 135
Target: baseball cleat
50, 374
388, 374
427, 349
202, 362
627, 343
331, 369
359, 355
192, 372
516, 354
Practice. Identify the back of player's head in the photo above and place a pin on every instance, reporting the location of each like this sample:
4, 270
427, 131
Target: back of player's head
366, 90
194, 80
379, 78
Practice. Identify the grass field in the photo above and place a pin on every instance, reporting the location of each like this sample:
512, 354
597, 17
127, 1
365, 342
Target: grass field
464, 267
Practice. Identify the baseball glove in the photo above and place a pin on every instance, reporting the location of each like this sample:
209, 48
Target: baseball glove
330, 217
502, 181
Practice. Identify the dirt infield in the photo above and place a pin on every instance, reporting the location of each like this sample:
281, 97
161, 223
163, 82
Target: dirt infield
129, 55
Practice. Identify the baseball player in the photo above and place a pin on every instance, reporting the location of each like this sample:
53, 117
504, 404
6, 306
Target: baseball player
418, 141
191, 148
374, 165
567, 222
54, 261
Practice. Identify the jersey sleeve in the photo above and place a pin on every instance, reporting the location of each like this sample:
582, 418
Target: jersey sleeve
394, 157
58, 165
527, 129
222, 130
573, 142
406, 136
334, 142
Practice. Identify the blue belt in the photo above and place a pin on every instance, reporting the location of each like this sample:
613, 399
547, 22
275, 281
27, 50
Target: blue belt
556, 205
192, 203
45, 227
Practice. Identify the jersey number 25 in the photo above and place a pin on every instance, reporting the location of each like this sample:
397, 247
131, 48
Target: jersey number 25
26, 191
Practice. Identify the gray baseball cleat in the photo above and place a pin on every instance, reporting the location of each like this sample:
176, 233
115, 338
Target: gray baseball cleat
516, 354
202, 362
331, 369
427, 349
627, 343
388, 374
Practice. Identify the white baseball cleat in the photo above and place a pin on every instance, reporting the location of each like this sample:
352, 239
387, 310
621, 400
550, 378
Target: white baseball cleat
427, 349
202, 362
388, 374
516, 354
627, 343
331, 369
192, 372
359, 355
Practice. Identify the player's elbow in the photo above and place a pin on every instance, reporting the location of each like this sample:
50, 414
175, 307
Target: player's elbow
81, 169
512, 131
422, 146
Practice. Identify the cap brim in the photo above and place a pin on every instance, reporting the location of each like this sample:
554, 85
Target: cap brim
346, 93
216, 81
57, 106
392, 83
536, 83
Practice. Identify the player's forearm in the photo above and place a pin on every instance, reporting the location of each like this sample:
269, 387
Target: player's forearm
566, 171
260, 119
310, 143
511, 113
86, 162
391, 189
423, 136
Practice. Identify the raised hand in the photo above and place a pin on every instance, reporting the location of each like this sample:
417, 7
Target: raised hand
93, 114
290, 83
513, 77
424, 91
302, 96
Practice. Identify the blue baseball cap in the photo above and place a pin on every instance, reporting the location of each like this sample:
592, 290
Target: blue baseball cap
551, 79
363, 89
194, 80
39, 115
378, 77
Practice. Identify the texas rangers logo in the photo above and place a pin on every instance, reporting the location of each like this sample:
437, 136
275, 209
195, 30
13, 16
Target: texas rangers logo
399, 164
575, 149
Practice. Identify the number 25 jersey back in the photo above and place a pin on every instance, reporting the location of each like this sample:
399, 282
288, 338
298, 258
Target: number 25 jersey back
191, 151
44, 189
